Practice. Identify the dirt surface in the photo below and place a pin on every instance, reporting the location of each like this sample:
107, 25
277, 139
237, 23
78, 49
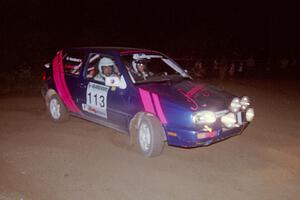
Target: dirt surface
80, 160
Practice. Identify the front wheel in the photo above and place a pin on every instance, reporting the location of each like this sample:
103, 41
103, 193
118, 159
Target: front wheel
150, 136
57, 110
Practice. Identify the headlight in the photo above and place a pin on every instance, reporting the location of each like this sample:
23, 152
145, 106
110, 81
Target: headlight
245, 102
235, 104
204, 117
229, 120
250, 114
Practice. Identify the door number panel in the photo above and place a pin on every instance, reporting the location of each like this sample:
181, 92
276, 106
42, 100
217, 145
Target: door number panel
96, 99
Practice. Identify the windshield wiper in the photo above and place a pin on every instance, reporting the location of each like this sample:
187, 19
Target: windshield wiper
154, 80
159, 79
177, 77
168, 78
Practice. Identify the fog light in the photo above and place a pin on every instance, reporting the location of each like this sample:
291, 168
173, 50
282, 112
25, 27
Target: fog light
235, 104
229, 120
245, 102
250, 114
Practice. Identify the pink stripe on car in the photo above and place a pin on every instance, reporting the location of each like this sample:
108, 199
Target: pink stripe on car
159, 110
146, 99
60, 83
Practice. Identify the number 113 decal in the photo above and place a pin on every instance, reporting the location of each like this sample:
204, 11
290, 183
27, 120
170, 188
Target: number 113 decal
96, 98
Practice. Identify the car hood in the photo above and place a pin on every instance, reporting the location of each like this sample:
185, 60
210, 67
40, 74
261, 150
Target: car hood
191, 95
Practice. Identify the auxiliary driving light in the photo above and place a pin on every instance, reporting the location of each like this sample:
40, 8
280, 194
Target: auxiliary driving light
250, 114
245, 102
229, 120
235, 104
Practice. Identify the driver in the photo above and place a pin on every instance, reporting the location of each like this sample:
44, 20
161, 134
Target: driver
106, 69
140, 69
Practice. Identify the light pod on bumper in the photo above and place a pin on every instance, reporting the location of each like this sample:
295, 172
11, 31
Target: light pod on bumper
229, 120
245, 102
204, 117
235, 105
250, 114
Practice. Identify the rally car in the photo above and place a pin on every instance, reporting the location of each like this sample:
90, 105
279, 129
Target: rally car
144, 94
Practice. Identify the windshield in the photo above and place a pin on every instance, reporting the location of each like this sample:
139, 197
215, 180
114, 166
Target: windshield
146, 68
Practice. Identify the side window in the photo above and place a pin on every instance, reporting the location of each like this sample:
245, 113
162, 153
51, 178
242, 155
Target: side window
73, 63
92, 67
99, 67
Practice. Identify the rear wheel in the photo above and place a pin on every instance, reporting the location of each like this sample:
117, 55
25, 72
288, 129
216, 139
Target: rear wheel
57, 110
150, 136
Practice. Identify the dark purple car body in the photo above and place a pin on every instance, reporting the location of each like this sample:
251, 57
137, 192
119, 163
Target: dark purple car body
184, 113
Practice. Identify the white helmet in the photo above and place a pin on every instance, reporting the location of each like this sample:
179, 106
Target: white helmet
105, 62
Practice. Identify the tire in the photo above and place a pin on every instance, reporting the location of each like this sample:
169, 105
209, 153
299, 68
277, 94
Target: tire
150, 136
57, 110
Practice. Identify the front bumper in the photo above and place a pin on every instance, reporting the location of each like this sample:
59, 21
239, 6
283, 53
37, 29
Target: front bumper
189, 138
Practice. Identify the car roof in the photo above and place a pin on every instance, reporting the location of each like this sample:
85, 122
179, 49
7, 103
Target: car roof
119, 50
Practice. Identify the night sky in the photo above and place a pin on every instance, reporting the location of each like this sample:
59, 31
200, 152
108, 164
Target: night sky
32, 31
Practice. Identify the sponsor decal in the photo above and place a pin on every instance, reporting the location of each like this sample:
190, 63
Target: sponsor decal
191, 93
190, 99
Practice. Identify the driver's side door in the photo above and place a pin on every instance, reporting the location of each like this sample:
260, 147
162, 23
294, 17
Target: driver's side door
100, 102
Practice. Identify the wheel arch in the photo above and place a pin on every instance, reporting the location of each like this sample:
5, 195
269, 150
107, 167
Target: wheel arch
49, 93
135, 123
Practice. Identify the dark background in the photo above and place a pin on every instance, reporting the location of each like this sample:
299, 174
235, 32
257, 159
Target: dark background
32, 31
